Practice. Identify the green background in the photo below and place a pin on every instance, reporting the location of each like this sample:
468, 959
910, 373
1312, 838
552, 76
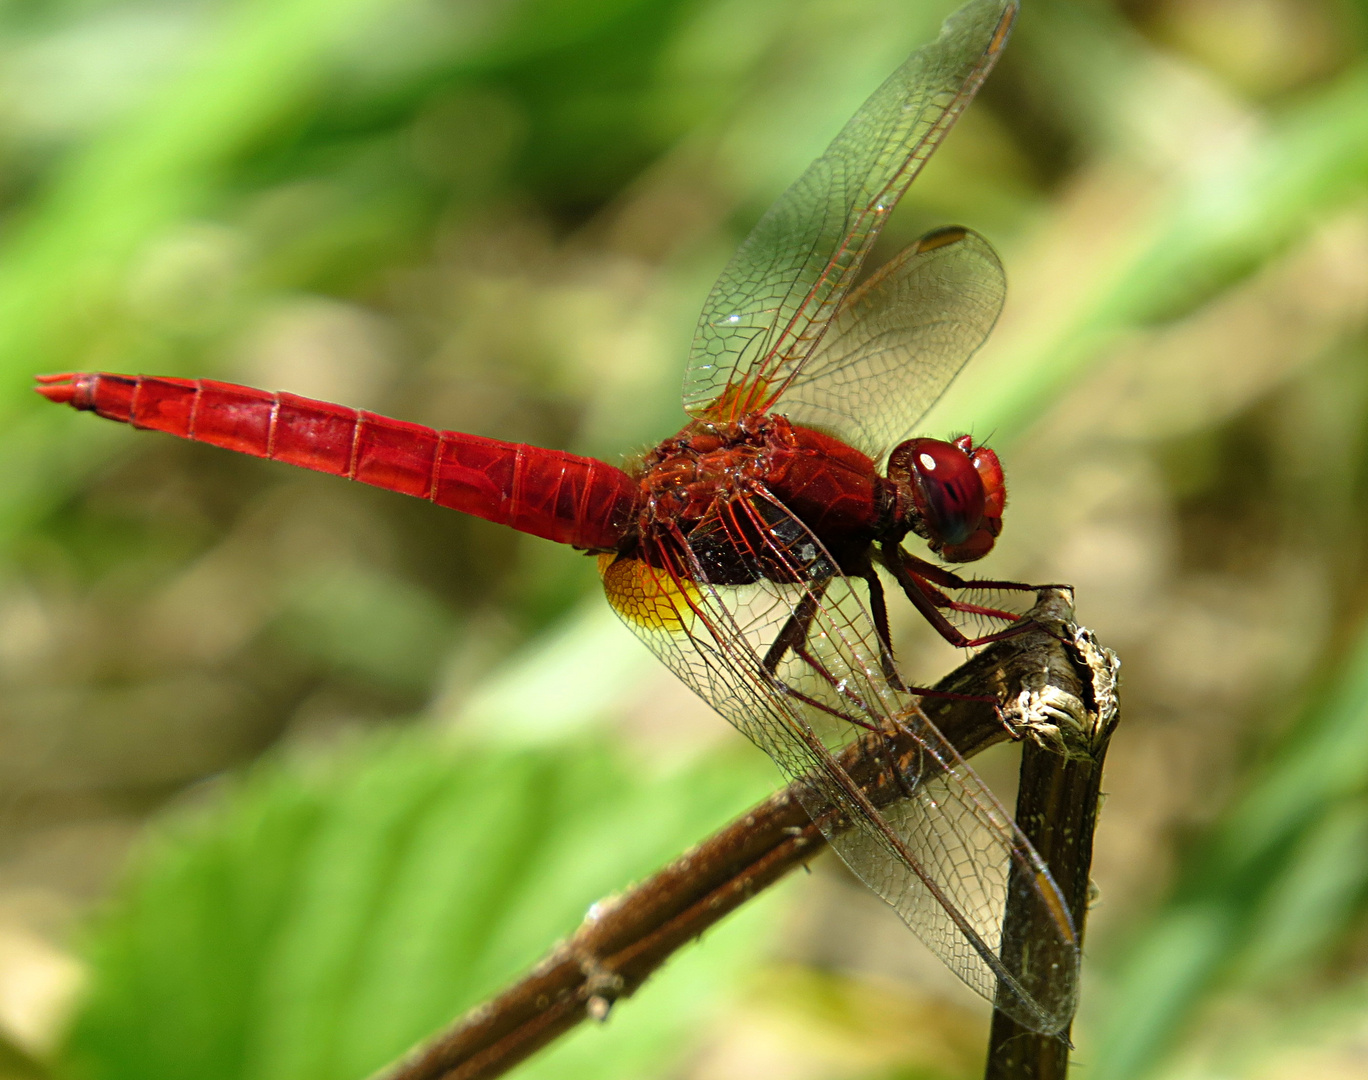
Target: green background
293, 770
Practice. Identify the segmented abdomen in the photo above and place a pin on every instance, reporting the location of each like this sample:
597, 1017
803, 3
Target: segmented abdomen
563, 497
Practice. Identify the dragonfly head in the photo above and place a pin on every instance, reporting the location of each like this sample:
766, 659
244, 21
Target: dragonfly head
954, 493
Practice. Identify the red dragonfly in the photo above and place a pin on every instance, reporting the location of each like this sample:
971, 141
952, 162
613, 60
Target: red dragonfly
743, 550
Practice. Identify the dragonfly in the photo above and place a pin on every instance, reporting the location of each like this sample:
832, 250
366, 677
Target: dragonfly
745, 550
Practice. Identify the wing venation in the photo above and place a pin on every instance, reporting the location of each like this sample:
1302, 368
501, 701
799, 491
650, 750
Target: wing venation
943, 856
899, 340
770, 306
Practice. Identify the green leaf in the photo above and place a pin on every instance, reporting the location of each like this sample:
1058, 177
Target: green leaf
319, 920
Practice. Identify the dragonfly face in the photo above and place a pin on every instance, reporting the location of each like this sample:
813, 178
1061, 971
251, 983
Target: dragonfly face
953, 494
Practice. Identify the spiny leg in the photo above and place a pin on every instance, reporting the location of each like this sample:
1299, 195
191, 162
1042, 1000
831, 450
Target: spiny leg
945, 603
950, 580
794, 635
795, 629
885, 737
793, 638
878, 610
928, 573
928, 600
930, 576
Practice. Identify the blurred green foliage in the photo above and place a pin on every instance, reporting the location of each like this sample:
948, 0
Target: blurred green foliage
327, 915
1272, 887
502, 217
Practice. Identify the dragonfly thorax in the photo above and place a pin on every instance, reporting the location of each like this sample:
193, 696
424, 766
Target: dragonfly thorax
751, 496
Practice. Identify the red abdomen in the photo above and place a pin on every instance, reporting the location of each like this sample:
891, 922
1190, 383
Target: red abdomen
563, 497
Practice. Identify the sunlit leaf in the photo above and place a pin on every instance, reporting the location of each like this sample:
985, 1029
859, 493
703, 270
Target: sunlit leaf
316, 920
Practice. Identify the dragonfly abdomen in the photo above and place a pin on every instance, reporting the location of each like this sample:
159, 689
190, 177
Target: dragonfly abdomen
563, 497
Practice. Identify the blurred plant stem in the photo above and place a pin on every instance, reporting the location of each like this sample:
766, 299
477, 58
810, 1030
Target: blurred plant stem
1245, 880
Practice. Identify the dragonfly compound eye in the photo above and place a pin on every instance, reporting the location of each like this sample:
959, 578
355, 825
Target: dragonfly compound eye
947, 491
989, 468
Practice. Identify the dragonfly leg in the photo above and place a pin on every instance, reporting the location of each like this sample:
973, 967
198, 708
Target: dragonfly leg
950, 580
931, 575
885, 737
878, 609
821, 706
984, 699
795, 629
929, 600
793, 638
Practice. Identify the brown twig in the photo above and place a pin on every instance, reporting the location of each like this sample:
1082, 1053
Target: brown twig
1057, 804
627, 937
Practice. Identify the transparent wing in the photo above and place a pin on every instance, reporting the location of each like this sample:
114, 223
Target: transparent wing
769, 308
898, 341
941, 850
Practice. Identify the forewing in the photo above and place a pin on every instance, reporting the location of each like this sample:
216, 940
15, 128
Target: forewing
898, 341
942, 857
771, 305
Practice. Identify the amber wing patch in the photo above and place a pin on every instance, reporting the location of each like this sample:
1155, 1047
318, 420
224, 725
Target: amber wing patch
648, 597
